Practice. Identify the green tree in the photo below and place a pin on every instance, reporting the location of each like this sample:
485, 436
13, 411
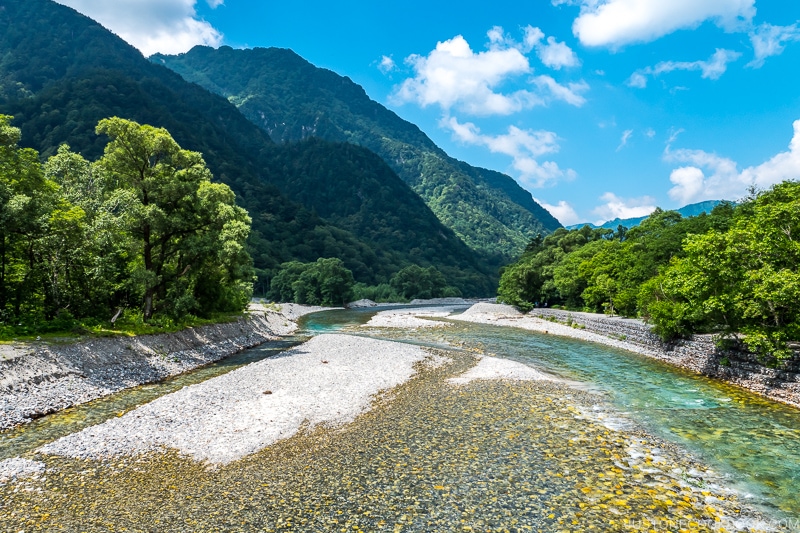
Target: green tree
416, 282
743, 280
324, 282
190, 235
27, 200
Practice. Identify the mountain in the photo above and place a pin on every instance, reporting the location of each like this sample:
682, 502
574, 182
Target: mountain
291, 99
61, 72
691, 210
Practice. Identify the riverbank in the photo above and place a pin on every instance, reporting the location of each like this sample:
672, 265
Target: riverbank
40, 378
699, 354
364, 434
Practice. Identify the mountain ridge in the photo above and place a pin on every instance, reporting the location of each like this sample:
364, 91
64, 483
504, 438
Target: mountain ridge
689, 210
290, 99
62, 72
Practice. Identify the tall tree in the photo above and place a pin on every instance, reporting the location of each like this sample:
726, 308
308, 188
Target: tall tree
26, 201
189, 232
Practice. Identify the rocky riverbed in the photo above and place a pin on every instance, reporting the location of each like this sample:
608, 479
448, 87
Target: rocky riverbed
370, 435
40, 378
699, 355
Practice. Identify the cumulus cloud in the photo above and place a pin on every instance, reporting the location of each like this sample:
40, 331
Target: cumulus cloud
551, 53
386, 64
166, 26
708, 176
712, 69
614, 23
523, 146
769, 40
563, 212
616, 207
455, 77
626, 135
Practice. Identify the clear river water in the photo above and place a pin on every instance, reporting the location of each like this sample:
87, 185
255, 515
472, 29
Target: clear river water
488, 458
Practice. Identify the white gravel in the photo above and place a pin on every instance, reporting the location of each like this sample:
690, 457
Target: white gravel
497, 368
329, 380
505, 315
18, 468
411, 318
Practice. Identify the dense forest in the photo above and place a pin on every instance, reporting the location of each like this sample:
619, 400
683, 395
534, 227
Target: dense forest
61, 73
291, 99
732, 272
141, 232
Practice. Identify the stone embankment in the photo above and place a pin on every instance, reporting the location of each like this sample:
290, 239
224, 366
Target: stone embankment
41, 378
699, 354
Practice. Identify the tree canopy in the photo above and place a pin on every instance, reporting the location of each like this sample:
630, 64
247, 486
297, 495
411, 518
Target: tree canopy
141, 228
732, 272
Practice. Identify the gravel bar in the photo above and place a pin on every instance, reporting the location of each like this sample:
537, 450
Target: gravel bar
329, 381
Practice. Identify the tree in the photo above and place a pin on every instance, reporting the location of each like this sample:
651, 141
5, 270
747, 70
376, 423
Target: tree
416, 282
26, 200
743, 280
324, 282
189, 235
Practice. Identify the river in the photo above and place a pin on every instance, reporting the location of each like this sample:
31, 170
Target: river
488, 458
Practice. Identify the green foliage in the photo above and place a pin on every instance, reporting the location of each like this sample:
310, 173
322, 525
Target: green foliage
417, 282
61, 73
488, 210
324, 282
731, 272
187, 234
743, 279
141, 228
377, 293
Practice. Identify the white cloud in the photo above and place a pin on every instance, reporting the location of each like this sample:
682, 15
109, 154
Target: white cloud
650, 133
166, 26
637, 80
713, 68
386, 64
214, 4
563, 212
614, 23
709, 176
769, 40
626, 135
569, 93
453, 76
523, 146
551, 53
616, 207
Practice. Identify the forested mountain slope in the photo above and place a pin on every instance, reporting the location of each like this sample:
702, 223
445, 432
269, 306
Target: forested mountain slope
62, 72
291, 99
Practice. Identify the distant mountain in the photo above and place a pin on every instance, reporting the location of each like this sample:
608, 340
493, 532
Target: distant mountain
691, 210
60, 73
291, 99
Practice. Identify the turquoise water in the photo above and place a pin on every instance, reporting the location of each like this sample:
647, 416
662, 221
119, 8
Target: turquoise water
756, 441
753, 440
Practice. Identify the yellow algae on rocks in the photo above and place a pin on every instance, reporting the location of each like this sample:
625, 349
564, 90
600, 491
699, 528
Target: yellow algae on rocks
431, 456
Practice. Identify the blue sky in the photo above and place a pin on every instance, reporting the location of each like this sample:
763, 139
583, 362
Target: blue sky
600, 108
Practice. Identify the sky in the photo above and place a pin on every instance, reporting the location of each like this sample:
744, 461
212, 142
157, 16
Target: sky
600, 108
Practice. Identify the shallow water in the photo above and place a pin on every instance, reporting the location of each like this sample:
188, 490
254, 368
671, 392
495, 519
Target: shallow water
755, 440
28, 437
485, 457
